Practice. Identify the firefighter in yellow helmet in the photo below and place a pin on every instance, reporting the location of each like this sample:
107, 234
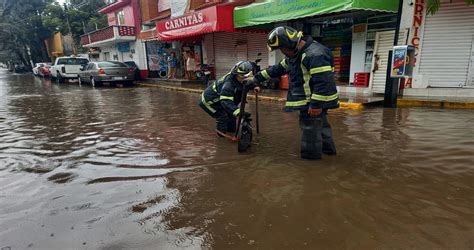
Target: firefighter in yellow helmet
312, 89
221, 99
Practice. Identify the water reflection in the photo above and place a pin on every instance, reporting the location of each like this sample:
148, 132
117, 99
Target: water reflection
141, 168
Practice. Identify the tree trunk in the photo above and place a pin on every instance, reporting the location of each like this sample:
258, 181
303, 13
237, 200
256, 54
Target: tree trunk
23, 60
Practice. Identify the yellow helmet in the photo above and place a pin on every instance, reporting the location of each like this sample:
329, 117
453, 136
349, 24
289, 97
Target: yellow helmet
284, 37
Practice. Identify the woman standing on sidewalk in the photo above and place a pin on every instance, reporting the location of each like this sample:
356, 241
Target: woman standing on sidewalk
190, 65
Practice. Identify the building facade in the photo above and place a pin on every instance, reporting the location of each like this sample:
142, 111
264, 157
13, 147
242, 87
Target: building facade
118, 41
444, 43
357, 32
202, 28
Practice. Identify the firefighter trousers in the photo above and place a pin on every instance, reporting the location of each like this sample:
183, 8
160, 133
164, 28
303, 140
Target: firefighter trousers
225, 122
316, 136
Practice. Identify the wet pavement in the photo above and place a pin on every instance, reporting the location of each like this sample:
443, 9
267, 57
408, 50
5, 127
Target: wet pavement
140, 168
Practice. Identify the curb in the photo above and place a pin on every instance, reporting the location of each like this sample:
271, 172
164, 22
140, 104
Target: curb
435, 104
344, 105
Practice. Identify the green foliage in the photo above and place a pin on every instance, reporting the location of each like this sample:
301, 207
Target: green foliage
22, 28
434, 5
26, 23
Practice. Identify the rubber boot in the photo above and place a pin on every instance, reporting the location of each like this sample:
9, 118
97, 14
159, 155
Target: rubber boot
329, 147
311, 140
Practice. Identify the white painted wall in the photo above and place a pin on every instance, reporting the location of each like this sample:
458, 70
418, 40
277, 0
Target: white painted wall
138, 57
357, 54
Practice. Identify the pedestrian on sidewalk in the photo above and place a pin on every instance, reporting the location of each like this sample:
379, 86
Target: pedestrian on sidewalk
221, 99
172, 64
190, 65
312, 89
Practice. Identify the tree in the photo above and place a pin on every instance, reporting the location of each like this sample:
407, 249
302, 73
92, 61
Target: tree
76, 17
22, 32
433, 5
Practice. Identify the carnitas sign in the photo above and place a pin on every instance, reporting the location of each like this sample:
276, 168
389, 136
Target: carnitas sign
184, 21
212, 19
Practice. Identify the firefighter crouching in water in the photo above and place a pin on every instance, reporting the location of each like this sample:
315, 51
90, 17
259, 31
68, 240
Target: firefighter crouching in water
312, 89
221, 99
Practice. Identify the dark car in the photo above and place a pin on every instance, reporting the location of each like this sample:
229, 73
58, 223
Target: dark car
20, 68
136, 70
112, 72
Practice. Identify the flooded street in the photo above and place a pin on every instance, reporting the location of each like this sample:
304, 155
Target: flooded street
141, 168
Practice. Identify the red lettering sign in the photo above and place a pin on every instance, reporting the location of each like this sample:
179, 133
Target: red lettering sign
417, 22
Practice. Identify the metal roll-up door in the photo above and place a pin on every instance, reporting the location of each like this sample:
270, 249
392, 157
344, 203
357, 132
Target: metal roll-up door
257, 43
447, 44
383, 44
224, 53
471, 72
233, 47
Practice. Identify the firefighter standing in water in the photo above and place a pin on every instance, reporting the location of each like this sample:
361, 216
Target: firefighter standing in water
221, 99
312, 89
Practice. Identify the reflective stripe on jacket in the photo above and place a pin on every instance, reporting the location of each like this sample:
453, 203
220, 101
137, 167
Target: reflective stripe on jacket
311, 77
226, 91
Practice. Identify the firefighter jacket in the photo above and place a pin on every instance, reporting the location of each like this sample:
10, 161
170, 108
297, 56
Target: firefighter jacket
227, 92
310, 75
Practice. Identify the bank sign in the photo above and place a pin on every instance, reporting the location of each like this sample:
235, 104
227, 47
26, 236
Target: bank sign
216, 18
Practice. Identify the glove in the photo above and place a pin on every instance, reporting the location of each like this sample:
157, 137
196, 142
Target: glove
251, 81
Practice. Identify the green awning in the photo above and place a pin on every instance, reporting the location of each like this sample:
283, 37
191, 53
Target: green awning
282, 10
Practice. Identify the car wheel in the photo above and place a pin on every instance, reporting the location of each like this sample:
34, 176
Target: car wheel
95, 83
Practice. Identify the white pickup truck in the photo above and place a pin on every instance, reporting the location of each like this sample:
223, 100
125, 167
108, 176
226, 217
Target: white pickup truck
66, 68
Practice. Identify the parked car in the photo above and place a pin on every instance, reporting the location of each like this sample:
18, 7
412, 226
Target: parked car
136, 70
67, 67
112, 72
39, 65
44, 71
20, 68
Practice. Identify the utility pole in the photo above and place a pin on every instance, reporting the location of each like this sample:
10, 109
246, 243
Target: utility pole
391, 84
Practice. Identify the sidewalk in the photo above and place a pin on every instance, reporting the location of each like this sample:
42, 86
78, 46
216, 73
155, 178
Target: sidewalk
346, 100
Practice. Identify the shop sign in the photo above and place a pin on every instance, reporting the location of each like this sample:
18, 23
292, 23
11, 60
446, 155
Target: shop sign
185, 21
418, 16
123, 47
212, 19
417, 23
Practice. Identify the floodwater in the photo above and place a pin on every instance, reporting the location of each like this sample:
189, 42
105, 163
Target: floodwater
140, 168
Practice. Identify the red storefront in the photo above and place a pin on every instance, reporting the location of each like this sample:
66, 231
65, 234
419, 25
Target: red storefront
197, 23
210, 32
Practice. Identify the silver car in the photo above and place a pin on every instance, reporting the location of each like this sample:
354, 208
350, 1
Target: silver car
97, 73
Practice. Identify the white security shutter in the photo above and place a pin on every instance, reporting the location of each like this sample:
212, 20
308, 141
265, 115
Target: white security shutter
471, 71
233, 47
447, 45
241, 52
224, 53
257, 43
383, 44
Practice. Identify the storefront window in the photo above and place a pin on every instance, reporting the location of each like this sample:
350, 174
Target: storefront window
157, 53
